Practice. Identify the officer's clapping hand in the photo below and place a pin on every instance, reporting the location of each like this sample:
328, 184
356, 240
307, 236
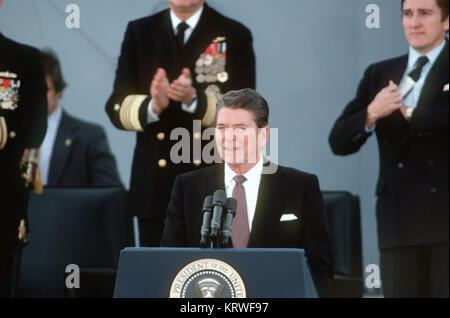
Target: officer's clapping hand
181, 89
159, 91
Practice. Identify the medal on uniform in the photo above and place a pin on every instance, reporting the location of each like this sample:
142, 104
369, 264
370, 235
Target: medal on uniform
200, 61
208, 59
200, 78
222, 77
9, 91
210, 66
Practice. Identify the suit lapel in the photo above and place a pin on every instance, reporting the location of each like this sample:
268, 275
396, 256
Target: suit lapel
393, 71
214, 180
268, 207
398, 69
163, 50
396, 75
435, 79
61, 149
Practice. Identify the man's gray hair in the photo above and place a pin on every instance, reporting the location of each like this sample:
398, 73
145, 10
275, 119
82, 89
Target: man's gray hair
247, 99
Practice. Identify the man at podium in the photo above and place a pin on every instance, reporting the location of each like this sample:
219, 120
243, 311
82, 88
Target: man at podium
277, 207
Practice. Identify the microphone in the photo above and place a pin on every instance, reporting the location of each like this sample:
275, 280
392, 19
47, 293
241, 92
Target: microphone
230, 211
206, 210
219, 201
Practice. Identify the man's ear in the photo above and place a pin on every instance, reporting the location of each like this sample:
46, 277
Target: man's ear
263, 135
445, 21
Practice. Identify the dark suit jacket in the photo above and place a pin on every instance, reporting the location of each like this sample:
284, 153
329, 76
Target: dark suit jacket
288, 191
81, 155
412, 189
150, 43
24, 126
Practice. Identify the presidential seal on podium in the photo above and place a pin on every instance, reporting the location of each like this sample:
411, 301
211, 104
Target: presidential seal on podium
208, 278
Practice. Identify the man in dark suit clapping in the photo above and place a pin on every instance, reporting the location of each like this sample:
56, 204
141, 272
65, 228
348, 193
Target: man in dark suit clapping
276, 208
405, 101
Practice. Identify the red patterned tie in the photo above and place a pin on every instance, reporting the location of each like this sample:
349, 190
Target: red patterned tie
240, 228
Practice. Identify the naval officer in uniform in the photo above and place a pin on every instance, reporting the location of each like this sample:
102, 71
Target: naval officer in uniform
173, 67
23, 122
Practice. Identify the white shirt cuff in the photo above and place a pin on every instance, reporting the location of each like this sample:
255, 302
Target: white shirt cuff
151, 116
190, 109
371, 129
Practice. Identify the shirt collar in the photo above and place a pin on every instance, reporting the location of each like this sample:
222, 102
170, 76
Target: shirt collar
192, 21
432, 55
253, 173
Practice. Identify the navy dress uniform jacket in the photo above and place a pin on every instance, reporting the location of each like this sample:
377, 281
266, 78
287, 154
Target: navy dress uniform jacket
413, 182
150, 43
23, 118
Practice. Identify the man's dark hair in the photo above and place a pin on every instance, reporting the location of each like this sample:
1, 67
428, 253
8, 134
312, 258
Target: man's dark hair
52, 68
247, 99
443, 5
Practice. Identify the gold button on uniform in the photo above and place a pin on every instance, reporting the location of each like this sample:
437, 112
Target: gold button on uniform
160, 136
162, 163
197, 162
197, 135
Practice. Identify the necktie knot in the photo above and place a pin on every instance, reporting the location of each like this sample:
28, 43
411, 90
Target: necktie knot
182, 26
239, 179
421, 61
415, 74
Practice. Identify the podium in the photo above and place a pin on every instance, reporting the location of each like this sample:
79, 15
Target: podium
213, 273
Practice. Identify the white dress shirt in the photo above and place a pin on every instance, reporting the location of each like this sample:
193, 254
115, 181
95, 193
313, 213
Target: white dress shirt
412, 98
45, 153
251, 186
192, 23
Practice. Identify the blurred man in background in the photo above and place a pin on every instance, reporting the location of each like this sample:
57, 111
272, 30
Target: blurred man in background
74, 152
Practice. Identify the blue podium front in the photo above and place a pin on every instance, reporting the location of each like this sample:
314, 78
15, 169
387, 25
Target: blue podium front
213, 273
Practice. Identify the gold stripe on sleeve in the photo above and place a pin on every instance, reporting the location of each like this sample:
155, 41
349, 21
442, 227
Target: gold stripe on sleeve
129, 112
212, 96
3, 133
